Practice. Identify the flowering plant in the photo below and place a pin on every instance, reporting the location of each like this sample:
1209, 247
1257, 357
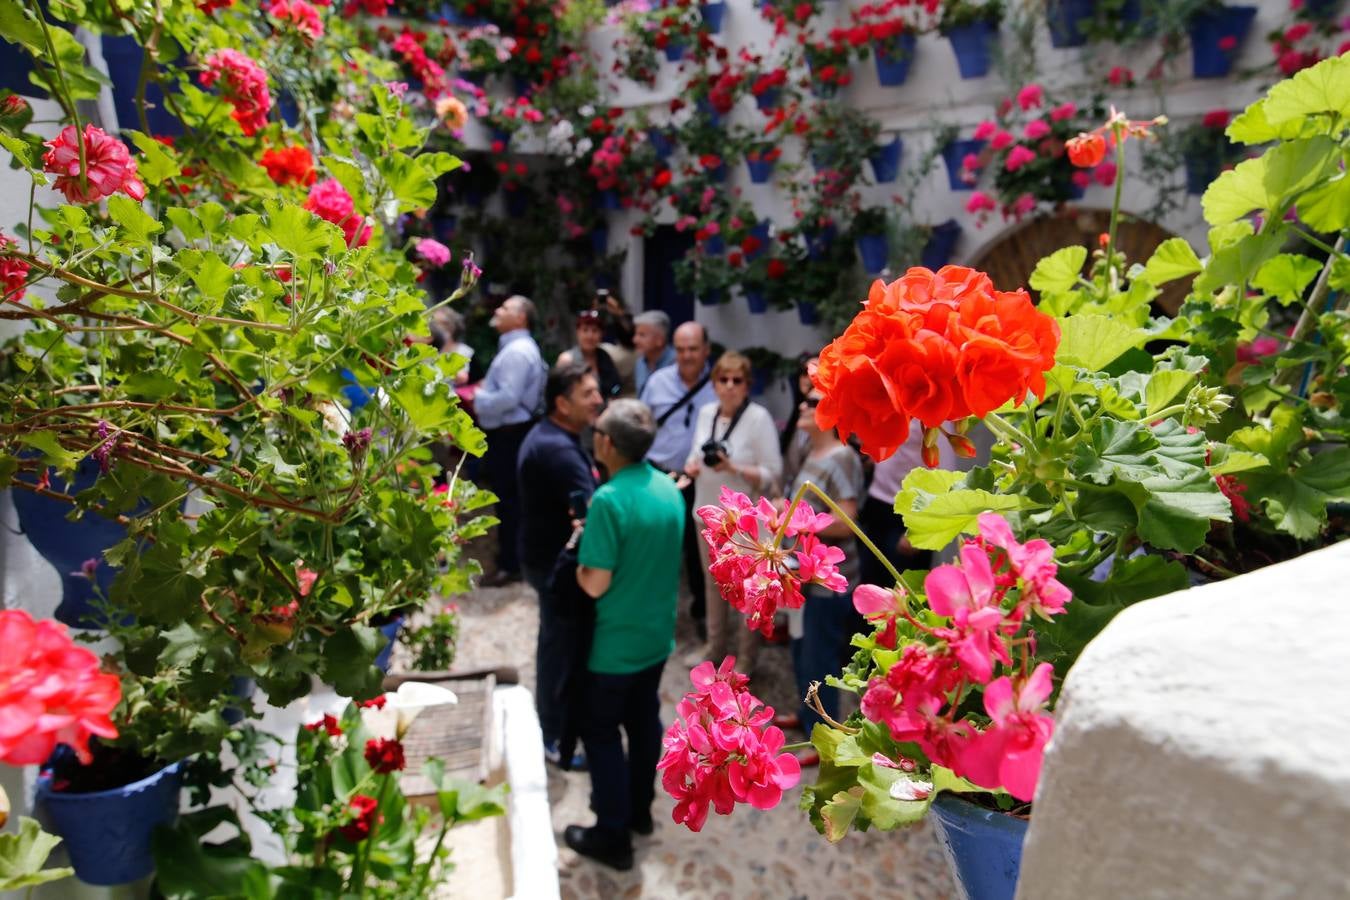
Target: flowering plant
960, 13
1117, 473
223, 340
349, 829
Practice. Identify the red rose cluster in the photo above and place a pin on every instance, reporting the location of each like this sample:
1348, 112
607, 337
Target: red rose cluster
723, 749
244, 84
933, 346
51, 691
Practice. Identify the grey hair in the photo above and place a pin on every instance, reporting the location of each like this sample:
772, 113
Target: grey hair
656, 319
526, 306
630, 426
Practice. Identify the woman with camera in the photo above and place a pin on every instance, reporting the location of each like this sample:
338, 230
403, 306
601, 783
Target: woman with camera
735, 445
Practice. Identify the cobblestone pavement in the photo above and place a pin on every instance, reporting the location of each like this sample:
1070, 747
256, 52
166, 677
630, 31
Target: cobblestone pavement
746, 856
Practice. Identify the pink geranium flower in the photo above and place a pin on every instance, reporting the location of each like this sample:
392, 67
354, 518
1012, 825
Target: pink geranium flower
1105, 174
244, 85
109, 167
330, 201
985, 130
980, 202
1030, 97
1035, 130
1063, 111
1001, 139
1009, 753
13, 273
1018, 157
433, 252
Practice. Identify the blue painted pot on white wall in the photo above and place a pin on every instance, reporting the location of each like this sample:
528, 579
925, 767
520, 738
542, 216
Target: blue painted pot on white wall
1211, 29
983, 847
973, 45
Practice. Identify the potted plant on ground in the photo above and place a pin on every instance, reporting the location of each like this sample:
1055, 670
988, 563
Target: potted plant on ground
1119, 472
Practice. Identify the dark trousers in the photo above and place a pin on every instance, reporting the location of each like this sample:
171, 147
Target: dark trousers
499, 465
880, 522
550, 656
693, 565
622, 788
829, 622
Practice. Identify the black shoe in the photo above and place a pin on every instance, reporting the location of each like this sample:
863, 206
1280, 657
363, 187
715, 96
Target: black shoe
499, 578
615, 852
642, 824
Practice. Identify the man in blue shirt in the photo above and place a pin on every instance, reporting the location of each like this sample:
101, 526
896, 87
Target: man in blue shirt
554, 474
651, 340
508, 401
675, 395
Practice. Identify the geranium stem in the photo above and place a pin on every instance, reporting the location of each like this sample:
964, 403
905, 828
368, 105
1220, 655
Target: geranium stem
1109, 283
841, 516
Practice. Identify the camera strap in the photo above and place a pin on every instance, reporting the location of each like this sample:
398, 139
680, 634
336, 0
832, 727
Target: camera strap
731, 426
687, 398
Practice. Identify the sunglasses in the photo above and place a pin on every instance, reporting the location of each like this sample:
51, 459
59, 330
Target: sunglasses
731, 379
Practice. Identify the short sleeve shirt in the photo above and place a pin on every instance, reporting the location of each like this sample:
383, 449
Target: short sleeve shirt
838, 473
634, 529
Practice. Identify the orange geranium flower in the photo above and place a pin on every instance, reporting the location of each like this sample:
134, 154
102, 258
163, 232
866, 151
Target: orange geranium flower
936, 347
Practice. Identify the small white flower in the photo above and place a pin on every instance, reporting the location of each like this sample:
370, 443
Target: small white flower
904, 789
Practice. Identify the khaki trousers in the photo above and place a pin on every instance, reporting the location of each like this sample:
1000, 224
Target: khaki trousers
723, 621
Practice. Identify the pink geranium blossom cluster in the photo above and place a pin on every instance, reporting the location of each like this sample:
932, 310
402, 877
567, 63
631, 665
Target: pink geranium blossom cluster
424, 68
723, 749
109, 168
51, 691
13, 273
329, 200
986, 600
244, 84
304, 17
433, 252
755, 571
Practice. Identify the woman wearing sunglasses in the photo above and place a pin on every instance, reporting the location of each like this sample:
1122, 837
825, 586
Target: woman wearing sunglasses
736, 446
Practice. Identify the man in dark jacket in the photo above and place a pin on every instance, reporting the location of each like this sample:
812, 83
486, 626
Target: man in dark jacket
554, 475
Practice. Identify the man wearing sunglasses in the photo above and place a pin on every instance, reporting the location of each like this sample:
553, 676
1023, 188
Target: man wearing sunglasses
675, 394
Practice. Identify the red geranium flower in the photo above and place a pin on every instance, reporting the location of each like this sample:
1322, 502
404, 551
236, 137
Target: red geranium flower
1086, 150
385, 755
13, 273
289, 165
362, 809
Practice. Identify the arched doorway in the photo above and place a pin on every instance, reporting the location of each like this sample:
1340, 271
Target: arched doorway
1010, 258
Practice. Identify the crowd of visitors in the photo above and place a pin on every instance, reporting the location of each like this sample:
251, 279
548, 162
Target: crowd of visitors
599, 465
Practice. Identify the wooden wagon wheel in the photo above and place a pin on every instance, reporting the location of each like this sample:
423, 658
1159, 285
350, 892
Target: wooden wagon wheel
1010, 259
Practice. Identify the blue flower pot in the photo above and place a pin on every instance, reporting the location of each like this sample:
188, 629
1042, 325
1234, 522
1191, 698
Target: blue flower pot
1201, 169
807, 313
823, 159
600, 240
107, 833
674, 52
885, 160
983, 847
503, 136
952, 154
1208, 60
66, 545
357, 394
760, 172
386, 655
718, 173
769, 99
517, 204
760, 231
818, 242
610, 200
520, 84
1075, 191
124, 57
711, 297
661, 143
714, 246
937, 251
874, 249
893, 60
759, 382
1321, 8
974, 46
1067, 20
704, 105
756, 301
713, 13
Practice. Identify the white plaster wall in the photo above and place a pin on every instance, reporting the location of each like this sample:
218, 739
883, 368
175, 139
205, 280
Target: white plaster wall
1201, 745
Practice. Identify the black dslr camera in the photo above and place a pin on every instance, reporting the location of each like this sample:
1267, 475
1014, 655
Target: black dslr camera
714, 452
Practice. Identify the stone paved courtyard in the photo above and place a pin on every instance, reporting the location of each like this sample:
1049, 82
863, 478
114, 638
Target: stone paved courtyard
749, 855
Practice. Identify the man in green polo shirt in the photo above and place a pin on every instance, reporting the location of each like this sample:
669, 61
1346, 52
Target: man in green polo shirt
629, 561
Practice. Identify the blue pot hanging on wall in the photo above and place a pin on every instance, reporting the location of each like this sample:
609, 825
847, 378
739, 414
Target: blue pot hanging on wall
1068, 20
1211, 32
711, 296
953, 154
661, 143
761, 232
893, 59
713, 14
755, 300
885, 160
760, 170
390, 630
874, 250
807, 313
68, 545
973, 45
983, 847
941, 243
818, 241
768, 99
610, 200
674, 52
107, 833
124, 58
1201, 169
600, 240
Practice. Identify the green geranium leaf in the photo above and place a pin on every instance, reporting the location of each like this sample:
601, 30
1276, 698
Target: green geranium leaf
1059, 271
52, 452
1327, 206
26, 152
1287, 275
1238, 262
155, 165
1117, 450
350, 176
1265, 184
1173, 259
1296, 500
883, 810
213, 277
407, 181
437, 164
838, 814
921, 485
150, 386
22, 856
949, 515
1163, 387
1323, 89
1224, 460
1094, 342
1176, 513
1252, 127
300, 233
944, 779
185, 222
18, 27
136, 223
